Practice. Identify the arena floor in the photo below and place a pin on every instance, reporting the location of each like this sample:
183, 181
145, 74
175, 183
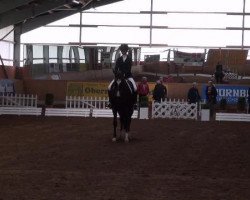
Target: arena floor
59, 158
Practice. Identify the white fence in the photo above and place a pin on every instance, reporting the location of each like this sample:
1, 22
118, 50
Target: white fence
18, 100
97, 106
174, 109
86, 102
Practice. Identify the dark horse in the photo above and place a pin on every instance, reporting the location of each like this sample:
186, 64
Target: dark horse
122, 99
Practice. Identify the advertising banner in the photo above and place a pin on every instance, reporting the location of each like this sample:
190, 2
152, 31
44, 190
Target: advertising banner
91, 89
87, 89
229, 92
6, 87
189, 59
151, 58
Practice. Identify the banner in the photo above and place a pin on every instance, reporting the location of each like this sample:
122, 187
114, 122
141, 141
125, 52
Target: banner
6, 87
87, 89
189, 59
91, 89
229, 92
151, 58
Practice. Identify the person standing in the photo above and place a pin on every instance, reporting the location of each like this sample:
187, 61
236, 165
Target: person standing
193, 94
211, 94
143, 90
160, 92
219, 73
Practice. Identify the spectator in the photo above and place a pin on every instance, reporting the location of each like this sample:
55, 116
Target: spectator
211, 94
219, 73
193, 94
160, 92
143, 89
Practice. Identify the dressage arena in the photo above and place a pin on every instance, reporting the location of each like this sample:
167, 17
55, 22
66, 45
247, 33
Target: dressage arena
72, 158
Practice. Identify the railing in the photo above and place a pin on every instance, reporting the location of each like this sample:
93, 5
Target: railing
96, 106
18, 100
86, 102
174, 109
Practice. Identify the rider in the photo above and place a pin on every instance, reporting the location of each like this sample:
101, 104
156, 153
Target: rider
123, 64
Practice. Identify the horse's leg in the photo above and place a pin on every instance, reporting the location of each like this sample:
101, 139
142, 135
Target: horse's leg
128, 123
126, 127
114, 125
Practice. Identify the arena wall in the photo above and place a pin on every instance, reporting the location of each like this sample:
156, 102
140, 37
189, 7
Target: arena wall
59, 89
10, 70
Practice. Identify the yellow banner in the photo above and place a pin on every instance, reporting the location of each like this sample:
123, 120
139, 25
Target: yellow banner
88, 89
91, 89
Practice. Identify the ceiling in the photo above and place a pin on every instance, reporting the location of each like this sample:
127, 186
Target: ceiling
31, 14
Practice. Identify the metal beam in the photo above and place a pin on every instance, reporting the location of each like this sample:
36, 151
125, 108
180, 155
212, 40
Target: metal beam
7, 5
18, 16
46, 19
97, 3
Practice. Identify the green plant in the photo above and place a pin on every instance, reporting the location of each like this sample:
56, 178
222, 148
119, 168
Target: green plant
49, 99
205, 106
143, 101
223, 104
241, 104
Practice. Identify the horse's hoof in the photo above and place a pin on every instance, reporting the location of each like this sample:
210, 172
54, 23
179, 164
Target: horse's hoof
114, 139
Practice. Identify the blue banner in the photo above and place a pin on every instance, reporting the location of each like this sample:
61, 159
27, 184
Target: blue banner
6, 87
229, 92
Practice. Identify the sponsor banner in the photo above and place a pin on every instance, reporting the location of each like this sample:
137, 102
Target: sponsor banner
87, 89
91, 89
6, 87
151, 58
189, 59
229, 92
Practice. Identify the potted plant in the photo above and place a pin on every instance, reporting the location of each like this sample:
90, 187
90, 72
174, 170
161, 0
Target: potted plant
205, 112
49, 100
241, 104
143, 107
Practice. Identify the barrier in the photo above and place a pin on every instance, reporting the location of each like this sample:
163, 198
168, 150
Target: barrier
174, 109
97, 105
18, 100
67, 112
86, 102
109, 113
20, 111
232, 117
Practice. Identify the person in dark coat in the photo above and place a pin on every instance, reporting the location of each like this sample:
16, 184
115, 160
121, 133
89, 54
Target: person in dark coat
211, 94
124, 64
123, 67
160, 92
219, 73
193, 94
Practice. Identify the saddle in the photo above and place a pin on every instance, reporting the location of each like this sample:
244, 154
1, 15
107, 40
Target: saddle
115, 92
